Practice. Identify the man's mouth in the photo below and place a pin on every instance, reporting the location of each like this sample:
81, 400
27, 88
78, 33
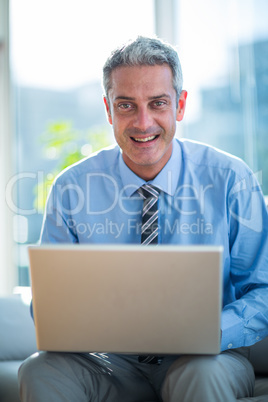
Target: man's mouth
151, 138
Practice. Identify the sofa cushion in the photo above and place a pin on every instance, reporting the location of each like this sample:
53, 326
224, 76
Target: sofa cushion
261, 387
17, 333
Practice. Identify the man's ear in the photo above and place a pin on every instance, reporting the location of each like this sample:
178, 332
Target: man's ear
109, 116
181, 105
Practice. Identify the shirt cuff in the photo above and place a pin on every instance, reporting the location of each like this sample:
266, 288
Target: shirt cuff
232, 330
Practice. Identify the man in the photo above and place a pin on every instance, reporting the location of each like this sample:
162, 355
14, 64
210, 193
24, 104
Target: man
206, 197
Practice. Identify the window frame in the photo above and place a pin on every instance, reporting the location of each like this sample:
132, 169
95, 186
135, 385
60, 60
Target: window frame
8, 273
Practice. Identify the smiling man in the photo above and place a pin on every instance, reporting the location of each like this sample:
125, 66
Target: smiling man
204, 196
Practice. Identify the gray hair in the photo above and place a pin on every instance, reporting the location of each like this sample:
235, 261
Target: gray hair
144, 51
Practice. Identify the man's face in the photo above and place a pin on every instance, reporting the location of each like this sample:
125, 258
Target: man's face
143, 110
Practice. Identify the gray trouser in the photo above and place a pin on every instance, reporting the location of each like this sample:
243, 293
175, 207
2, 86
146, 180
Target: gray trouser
59, 377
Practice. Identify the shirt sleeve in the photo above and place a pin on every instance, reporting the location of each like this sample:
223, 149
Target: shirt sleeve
58, 225
245, 321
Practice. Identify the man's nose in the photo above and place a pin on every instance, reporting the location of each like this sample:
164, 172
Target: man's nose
143, 119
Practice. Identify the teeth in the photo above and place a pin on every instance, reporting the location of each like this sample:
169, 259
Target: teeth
145, 139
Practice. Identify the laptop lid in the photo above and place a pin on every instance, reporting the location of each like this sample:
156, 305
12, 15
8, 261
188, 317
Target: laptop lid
127, 299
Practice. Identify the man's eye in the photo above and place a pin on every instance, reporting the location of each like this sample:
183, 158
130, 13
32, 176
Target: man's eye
124, 106
159, 103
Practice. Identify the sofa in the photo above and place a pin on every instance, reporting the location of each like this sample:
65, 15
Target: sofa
17, 342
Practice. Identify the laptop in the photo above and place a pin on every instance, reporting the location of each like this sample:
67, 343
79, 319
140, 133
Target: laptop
127, 299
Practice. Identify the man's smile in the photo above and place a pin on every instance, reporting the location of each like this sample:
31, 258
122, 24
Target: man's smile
146, 139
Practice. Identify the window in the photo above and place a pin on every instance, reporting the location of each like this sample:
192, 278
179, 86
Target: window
57, 52
57, 49
223, 46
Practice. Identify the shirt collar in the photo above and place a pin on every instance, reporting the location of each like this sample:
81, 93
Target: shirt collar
166, 180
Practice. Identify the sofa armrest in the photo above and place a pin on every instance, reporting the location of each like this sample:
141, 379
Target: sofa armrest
17, 333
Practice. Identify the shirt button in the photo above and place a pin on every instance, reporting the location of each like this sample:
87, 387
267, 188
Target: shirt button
230, 345
257, 338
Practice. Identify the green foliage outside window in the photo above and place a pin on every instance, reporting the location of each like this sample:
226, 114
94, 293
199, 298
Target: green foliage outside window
66, 145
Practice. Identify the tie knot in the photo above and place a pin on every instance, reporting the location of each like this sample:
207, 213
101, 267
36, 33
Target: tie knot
149, 191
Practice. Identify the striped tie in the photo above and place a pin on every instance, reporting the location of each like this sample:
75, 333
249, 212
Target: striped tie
149, 235
149, 227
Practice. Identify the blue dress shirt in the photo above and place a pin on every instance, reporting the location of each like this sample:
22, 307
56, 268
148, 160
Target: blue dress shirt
207, 197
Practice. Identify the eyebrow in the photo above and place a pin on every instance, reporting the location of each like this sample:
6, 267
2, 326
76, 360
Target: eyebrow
124, 98
160, 96
150, 97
